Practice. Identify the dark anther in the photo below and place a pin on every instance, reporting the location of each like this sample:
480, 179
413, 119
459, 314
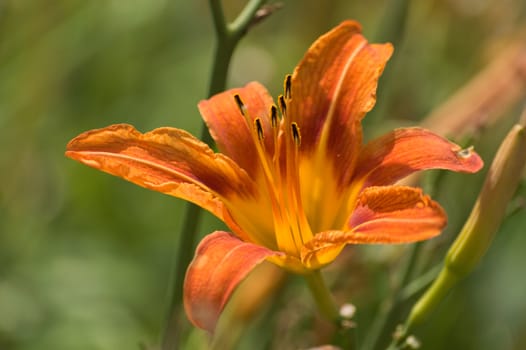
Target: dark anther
274, 116
288, 86
296, 136
259, 128
282, 105
240, 103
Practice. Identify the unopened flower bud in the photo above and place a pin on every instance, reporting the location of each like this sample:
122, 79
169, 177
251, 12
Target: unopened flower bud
477, 234
501, 182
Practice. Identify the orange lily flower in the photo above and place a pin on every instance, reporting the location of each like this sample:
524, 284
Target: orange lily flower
294, 182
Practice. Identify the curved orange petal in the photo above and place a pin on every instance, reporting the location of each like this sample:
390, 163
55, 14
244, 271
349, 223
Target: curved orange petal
230, 129
383, 215
221, 262
401, 152
395, 214
332, 89
166, 160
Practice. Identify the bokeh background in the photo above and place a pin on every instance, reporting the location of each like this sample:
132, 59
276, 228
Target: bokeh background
86, 258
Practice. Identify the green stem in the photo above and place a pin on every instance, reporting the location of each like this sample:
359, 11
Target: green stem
345, 336
406, 288
433, 296
185, 248
426, 305
409, 268
322, 296
227, 38
416, 286
243, 21
388, 308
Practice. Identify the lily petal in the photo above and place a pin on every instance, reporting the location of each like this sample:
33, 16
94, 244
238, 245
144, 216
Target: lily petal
332, 89
395, 214
403, 151
221, 262
383, 215
167, 160
229, 127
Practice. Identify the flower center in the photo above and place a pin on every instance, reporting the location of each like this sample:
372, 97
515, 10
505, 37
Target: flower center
281, 172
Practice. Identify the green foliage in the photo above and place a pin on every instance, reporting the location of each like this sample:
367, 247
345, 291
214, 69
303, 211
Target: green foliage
86, 259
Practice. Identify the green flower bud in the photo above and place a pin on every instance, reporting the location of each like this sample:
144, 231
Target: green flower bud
477, 234
489, 210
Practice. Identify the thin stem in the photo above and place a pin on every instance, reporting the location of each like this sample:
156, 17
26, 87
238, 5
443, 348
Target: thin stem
406, 288
417, 285
425, 305
432, 297
240, 25
345, 336
322, 296
218, 17
409, 268
388, 308
185, 248
227, 38
224, 48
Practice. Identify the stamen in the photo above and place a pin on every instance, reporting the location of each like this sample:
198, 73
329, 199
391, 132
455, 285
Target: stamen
296, 136
240, 104
259, 129
274, 122
274, 116
288, 87
300, 231
282, 106
271, 173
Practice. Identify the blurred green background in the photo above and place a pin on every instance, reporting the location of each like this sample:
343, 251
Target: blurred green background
86, 258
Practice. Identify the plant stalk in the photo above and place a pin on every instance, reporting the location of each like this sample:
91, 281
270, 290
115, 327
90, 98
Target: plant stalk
227, 38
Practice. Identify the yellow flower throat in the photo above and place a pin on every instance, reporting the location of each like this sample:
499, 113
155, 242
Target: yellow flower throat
281, 173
